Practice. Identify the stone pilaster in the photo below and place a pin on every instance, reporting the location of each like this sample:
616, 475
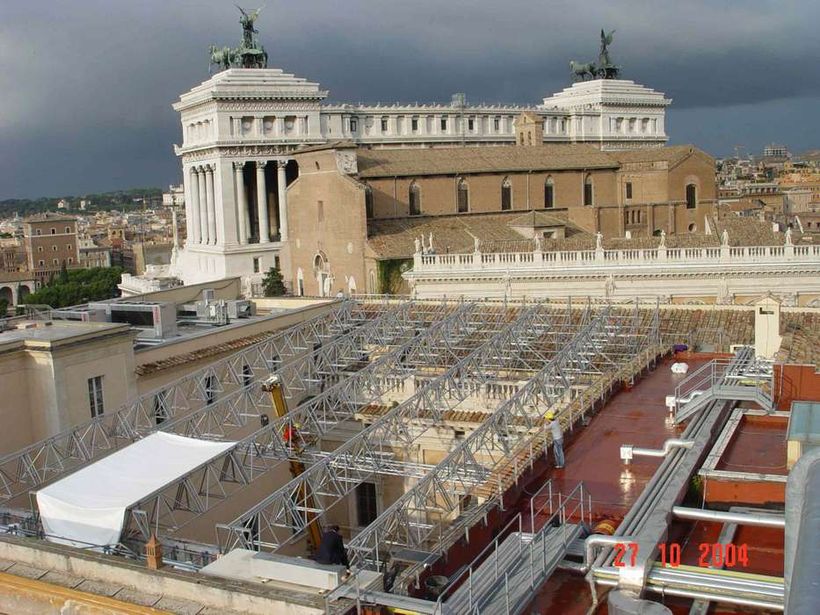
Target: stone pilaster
281, 182
193, 219
210, 205
262, 203
202, 207
241, 202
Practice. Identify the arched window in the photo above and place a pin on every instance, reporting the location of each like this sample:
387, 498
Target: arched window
588, 196
549, 193
368, 202
463, 197
691, 196
506, 194
351, 285
414, 197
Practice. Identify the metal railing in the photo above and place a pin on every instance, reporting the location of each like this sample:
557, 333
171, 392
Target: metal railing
529, 557
632, 257
745, 378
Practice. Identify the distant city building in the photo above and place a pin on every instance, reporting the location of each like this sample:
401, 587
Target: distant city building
174, 197
51, 244
241, 127
773, 150
92, 255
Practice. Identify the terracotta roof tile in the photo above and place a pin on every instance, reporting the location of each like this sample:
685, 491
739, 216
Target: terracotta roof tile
672, 154
463, 160
203, 353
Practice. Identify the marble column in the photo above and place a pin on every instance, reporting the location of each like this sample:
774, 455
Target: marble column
194, 230
281, 183
241, 202
209, 204
262, 203
201, 206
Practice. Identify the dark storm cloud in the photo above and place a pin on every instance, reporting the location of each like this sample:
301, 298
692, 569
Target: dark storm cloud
86, 86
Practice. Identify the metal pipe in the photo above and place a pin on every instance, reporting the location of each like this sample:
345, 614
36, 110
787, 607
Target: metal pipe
600, 540
628, 451
709, 597
700, 514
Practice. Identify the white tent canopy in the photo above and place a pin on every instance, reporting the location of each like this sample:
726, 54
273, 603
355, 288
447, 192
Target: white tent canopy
87, 508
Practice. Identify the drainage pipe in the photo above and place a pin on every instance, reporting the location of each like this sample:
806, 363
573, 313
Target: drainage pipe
628, 450
759, 519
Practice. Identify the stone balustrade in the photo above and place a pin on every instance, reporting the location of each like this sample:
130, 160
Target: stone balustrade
638, 258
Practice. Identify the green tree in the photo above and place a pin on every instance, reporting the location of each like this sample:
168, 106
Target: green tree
272, 284
78, 286
63, 274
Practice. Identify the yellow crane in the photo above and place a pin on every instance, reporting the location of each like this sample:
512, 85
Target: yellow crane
290, 435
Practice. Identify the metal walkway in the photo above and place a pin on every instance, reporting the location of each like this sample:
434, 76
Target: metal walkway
737, 379
504, 577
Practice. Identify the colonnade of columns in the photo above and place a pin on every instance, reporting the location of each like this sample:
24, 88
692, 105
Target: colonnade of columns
201, 205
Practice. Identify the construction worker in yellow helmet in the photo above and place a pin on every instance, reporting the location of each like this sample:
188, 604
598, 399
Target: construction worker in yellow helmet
554, 425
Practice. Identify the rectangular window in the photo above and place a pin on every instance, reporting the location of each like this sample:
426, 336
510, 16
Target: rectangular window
506, 198
384, 124
471, 124
301, 285
415, 204
549, 196
497, 124
691, 196
414, 124
95, 396
276, 262
354, 125
629, 190
366, 507
257, 264
320, 210
444, 123
588, 195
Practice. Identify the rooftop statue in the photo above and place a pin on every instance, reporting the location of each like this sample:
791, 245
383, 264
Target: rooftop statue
604, 69
249, 54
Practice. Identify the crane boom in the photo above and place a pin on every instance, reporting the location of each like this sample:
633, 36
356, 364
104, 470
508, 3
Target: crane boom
273, 385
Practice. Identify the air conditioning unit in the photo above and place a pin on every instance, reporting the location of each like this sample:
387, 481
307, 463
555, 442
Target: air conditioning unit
240, 309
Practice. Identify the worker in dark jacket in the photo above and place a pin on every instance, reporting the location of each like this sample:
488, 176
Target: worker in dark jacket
332, 548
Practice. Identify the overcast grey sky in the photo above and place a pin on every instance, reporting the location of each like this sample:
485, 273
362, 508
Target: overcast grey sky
86, 86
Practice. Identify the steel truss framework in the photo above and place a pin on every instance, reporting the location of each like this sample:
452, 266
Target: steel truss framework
602, 345
522, 341
200, 490
307, 374
43, 461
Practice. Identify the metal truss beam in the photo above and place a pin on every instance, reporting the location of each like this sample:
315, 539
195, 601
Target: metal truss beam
256, 454
404, 524
307, 374
515, 343
33, 466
